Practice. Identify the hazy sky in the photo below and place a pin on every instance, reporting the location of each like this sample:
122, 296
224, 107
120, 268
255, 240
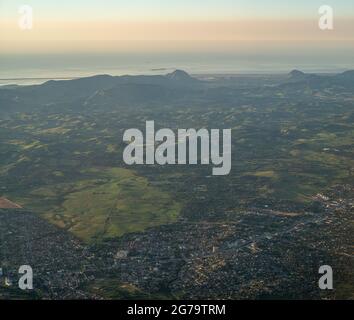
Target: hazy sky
177, 9
269, 28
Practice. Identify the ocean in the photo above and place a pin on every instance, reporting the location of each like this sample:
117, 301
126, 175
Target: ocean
29, 69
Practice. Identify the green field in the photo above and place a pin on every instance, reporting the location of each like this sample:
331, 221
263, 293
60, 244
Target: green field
108, 203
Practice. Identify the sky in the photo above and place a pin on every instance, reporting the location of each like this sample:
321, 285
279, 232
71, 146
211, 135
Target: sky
175, 9
93, 25
240, 27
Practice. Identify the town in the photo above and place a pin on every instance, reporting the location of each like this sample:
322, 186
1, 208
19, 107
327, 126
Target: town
250, 256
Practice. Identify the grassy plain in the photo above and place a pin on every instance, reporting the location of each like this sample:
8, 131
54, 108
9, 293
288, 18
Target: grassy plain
108, 203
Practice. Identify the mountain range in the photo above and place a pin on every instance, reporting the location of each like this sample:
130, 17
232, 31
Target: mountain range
176, 88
